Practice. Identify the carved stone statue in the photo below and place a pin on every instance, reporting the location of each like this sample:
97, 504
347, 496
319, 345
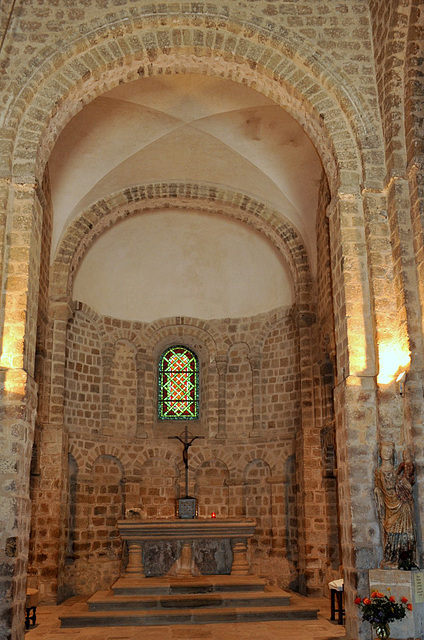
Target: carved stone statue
395, 508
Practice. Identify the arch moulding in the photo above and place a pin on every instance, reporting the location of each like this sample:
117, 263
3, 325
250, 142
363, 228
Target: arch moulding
102, 215
310, 88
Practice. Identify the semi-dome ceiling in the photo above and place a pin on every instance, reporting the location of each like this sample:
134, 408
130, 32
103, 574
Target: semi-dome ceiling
186, 128
197, 265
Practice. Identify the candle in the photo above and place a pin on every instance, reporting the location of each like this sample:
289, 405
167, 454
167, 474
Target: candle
213, 515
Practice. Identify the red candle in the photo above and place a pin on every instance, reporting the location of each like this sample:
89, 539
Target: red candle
213, 515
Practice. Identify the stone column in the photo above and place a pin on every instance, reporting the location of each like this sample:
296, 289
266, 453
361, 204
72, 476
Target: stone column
311, 503
50, 519
278, 513
21, 225
221, 365
18, 398
255, 363
404, 207
355, 401
141, 389
107, 361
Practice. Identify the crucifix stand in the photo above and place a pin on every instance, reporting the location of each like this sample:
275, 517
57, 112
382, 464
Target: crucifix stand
186, 507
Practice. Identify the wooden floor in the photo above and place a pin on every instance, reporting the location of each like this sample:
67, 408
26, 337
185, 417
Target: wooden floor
48, 627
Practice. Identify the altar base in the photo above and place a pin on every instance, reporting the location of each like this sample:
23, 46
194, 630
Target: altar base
180, 539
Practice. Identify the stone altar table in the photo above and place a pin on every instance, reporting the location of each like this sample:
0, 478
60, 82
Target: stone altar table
136, 532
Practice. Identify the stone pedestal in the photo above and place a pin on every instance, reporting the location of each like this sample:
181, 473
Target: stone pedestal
401, 583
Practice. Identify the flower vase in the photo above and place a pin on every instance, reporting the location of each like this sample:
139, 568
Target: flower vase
382, 631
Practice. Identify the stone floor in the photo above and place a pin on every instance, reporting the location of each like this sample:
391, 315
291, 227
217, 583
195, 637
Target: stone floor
47, 627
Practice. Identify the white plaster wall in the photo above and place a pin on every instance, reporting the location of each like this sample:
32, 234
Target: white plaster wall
182, 263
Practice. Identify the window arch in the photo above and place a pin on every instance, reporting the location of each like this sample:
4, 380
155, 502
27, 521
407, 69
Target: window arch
178, 384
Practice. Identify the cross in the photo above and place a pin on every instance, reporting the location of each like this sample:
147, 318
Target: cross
187, 444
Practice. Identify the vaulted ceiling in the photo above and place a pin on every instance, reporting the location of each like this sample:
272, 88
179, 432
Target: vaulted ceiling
196, 129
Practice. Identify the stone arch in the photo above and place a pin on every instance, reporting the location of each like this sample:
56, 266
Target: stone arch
391, 81
268, 457
280, 314
115, 459
109, 450
203, 197
197, 459
131, 338
95, 319
153, 452
90, 64
161, 333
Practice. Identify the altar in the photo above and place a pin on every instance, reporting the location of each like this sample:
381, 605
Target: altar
177, 544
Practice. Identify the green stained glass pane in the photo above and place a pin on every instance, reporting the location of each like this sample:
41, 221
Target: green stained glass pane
178, 385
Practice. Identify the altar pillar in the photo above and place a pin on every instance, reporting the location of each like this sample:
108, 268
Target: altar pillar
135, 559
240, 566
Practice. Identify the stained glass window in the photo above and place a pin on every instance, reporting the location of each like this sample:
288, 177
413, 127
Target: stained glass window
178, 385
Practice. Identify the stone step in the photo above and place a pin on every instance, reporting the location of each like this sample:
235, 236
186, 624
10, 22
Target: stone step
197, 584
107, 601
86, 618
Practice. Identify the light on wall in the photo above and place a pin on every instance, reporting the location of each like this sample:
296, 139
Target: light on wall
393, 357
400, 382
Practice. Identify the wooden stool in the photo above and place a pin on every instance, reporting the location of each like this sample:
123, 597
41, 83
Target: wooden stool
336, 593
32, 598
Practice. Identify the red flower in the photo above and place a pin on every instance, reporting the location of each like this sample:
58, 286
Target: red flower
392, 599
409, 606
358, 600
404, 600
374, 594
366, 601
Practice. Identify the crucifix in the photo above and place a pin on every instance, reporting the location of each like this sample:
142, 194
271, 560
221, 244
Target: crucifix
187, 505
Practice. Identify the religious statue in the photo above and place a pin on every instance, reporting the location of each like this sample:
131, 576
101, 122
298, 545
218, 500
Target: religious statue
395, 508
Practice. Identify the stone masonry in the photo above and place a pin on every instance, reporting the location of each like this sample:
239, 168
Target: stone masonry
294, 401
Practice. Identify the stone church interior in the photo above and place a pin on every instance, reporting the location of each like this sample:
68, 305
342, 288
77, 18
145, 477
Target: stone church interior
212, 263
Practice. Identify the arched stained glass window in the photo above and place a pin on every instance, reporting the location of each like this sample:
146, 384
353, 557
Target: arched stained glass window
178, 385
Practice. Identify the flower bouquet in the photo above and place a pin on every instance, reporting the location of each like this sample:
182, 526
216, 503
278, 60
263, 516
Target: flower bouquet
380, 610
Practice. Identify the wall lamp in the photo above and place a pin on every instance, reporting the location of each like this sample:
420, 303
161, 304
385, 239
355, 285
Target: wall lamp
400, 381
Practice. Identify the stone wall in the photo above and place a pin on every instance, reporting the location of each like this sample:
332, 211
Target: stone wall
243, 473
351, 73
